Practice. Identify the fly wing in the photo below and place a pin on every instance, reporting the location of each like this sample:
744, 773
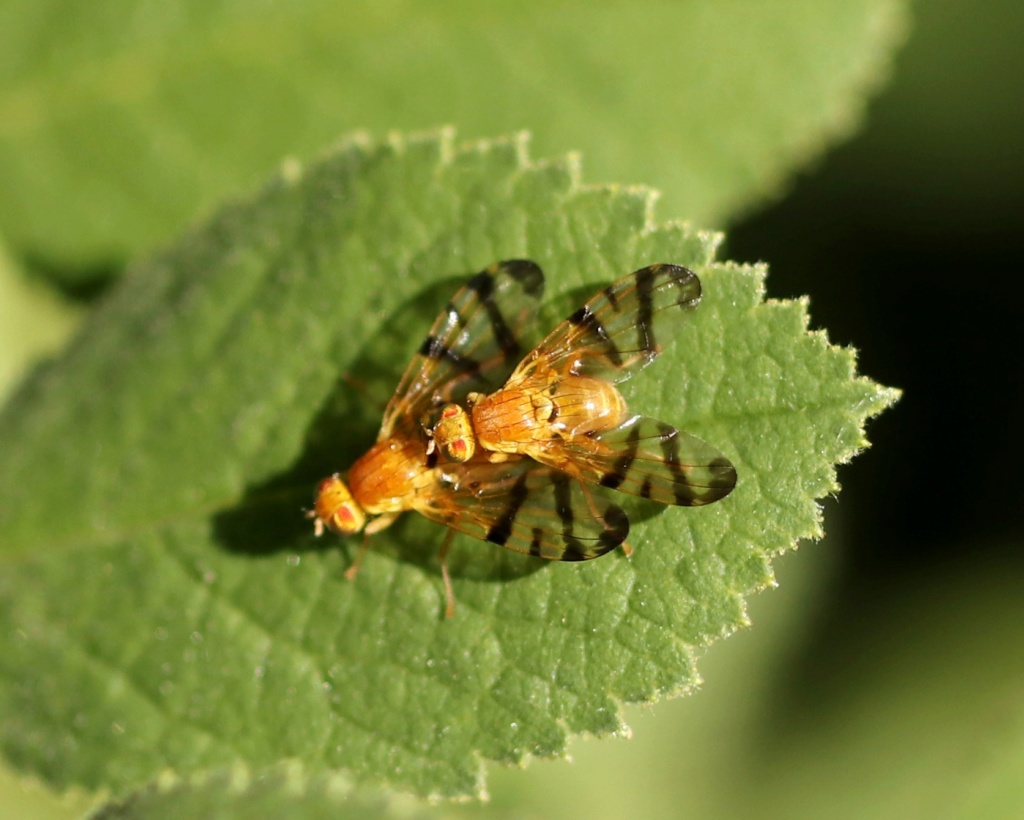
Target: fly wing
650, 459
529, 508
617, 332
474, 343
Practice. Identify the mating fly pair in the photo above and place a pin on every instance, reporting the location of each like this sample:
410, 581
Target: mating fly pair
519, 450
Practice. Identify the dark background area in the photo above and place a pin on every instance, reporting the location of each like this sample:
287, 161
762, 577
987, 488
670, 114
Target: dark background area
908, 241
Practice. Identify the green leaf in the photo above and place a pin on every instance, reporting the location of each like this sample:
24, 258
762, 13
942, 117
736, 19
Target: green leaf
163, 603
691, 757
281, 791
120, 120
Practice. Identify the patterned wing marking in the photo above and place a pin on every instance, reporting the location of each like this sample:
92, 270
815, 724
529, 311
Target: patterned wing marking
529, 508
473, 344
617, 332
648, 458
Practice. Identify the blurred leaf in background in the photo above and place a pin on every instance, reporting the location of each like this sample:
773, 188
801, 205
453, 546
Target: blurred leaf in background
121, 120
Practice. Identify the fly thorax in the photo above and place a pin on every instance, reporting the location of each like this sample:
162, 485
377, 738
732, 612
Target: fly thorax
453, 433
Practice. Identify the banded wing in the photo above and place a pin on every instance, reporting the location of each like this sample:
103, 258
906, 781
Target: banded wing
617, 332
611, 337
650, 459
473, 344
529, 508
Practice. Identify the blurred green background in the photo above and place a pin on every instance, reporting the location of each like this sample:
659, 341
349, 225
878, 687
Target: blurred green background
884, 676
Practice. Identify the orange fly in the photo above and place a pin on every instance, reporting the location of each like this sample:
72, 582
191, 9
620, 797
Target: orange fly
518, 503
561, 406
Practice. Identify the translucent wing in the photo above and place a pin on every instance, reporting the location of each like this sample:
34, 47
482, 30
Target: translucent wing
651, 459
616, 333
529, 508
474, 343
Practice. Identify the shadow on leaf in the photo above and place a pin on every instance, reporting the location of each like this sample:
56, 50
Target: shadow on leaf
271, 517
